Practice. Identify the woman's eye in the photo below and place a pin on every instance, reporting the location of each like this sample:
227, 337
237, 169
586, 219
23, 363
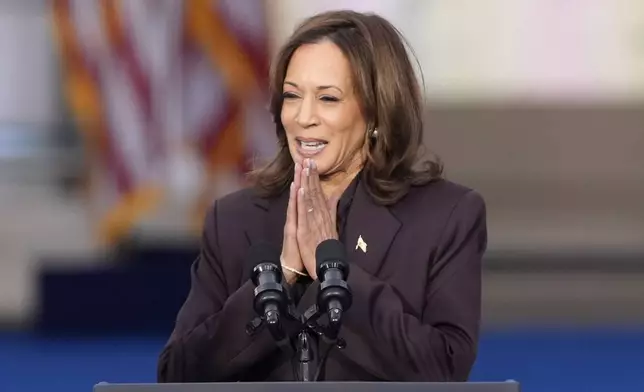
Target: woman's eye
328, 98
289, 95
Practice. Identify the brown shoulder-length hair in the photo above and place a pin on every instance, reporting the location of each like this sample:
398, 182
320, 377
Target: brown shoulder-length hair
390, 97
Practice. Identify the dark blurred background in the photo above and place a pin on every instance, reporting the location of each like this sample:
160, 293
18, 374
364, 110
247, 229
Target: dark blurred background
120, 121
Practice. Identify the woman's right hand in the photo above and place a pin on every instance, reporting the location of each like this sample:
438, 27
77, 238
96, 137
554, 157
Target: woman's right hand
290, 251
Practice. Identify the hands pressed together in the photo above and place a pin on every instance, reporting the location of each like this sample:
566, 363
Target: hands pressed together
310, 219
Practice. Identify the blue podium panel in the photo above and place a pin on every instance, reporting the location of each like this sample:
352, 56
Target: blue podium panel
509, 386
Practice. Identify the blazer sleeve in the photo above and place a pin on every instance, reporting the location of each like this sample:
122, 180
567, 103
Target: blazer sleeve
440, 345
209, 342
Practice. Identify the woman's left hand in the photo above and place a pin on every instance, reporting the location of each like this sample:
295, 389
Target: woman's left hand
316, 221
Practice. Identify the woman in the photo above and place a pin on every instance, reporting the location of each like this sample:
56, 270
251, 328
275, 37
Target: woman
348, 115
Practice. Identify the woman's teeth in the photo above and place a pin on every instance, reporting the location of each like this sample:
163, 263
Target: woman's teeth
312, 146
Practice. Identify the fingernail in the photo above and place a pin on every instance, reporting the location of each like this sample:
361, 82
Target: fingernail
313, 164
301, 191
307, 170
292, 185
297, 165
308, 163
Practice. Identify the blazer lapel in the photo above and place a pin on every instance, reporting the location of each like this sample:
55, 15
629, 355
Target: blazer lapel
309, 298
370, 230
271, 229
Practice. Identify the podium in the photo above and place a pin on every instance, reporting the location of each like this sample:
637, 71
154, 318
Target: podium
327, 386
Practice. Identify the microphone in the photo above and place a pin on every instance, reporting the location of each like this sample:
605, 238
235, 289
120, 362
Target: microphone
266, 273
333, 270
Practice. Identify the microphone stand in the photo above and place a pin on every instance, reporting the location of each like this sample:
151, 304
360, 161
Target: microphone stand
305, 354
307, 345
311, 334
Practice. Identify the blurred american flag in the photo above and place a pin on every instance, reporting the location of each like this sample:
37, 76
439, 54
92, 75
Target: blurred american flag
151, 82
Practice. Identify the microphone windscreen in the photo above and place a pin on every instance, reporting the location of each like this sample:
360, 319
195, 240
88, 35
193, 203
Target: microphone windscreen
259, 253
331, 250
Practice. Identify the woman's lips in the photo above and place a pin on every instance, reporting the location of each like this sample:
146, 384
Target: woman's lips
310, 147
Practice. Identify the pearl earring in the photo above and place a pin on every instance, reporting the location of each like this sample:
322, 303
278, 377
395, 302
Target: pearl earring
374, 134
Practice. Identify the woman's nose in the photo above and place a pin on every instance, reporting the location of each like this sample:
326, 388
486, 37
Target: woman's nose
306, 115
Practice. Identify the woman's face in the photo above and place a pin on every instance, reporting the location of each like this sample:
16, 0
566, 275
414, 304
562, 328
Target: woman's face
321, 111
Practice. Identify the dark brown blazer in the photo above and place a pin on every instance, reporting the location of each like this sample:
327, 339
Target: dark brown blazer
416, 291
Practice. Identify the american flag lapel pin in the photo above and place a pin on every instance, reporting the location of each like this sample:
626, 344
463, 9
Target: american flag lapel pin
361, 244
